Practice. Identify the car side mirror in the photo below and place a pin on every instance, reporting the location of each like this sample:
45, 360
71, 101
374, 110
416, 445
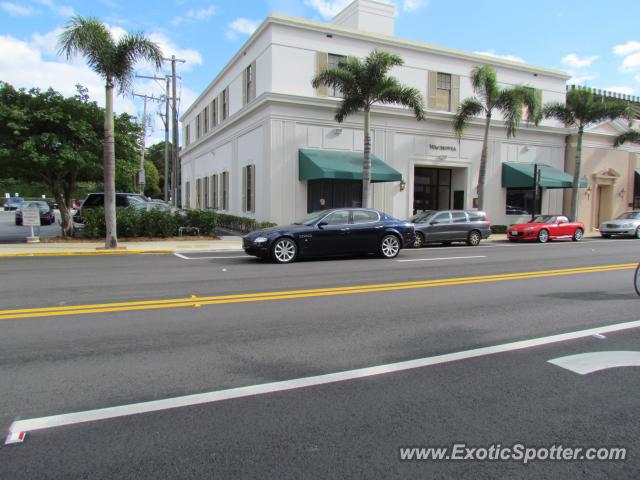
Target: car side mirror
322, 224
435, 222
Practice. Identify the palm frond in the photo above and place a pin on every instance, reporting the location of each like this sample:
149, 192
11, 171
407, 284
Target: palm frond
130, 49
608, 110
469, 107
377, 65
561, 112
485, 83
509, 103
631, 135
337, 77
349, 106
91, 38
530, 100
390, 91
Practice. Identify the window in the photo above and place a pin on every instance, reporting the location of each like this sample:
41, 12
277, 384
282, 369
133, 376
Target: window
199, 126
205, 192
187, 134
187, 193
214, 113
225, 103
477, 216
214, 192
206, 119
341, 217
333, 62
442, 217
224, 189
198, 192
443, 92
459, 217
365, 216
249, 83
520, 201
248, 188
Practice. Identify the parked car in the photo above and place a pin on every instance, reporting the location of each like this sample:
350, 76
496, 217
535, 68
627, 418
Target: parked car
627, 224
546, 227
13, 203
447, 226
338, 231
47, 217
123, 200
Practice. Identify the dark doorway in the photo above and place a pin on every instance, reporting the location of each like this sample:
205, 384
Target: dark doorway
325, 194
636, 191
431, 189
458, 200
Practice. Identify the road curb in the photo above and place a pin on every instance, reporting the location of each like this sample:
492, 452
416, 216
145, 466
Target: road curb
66, 254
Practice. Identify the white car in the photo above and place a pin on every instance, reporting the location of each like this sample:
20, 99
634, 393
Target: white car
627, 224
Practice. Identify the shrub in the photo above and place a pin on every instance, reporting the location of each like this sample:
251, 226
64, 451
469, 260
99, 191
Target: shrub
498, 229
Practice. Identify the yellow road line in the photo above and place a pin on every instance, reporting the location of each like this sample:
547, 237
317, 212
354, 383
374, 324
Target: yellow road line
295, 294
97, 252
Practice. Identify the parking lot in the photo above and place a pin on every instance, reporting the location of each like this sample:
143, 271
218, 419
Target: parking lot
12, 233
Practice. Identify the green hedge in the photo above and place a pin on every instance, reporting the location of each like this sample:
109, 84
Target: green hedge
498, 229
133, 223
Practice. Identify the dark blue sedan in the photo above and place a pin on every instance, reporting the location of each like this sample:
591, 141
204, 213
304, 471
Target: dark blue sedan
339, 231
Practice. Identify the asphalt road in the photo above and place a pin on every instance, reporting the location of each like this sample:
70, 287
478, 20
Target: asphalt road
12, 233
57, 361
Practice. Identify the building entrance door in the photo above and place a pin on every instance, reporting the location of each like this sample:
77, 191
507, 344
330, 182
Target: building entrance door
431, 189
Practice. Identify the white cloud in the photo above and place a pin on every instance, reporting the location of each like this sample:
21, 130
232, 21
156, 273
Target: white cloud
623, 90
327, 8
631, 63
241, 26
414, 5
626, 48
492, 53
581, 79
61, 10
638, 78
17, 10
196, 15
574, 61
192, 57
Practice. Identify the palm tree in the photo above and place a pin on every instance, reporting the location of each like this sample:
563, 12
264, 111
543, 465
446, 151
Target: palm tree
580, 111
630, 135
362, 84
113, 60
510, 102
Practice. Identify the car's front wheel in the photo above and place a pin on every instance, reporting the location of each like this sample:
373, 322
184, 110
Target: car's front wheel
578, 235
419, 241
637, 233
543, 236
284, 250
473, 239
389, 246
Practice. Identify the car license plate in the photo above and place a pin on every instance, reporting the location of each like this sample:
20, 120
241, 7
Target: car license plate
514, 234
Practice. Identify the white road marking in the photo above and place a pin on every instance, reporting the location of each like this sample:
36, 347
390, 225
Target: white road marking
29, 425
184, 257
585, 363
440, 258
434, 248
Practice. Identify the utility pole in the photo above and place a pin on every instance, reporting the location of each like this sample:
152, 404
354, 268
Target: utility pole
165, 121
141, 174
175, 177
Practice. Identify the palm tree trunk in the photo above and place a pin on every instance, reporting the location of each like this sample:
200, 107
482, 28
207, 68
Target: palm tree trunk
111, 240
482, 173
576, 176
366, 162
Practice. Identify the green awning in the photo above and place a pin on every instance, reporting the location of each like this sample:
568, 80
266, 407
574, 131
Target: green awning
339, 165
520, 175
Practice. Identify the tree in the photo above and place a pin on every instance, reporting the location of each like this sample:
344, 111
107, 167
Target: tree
630, 135
364, 83
47, 138
113, 60
155, 154
581, 110
510, 102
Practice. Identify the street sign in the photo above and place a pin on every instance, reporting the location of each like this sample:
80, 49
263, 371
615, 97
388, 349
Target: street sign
31, 217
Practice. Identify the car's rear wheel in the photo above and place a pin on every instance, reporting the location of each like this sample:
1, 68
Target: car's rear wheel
605, 235
419, 241
473, 239
543, 236
389, 246
578, 235
284, 250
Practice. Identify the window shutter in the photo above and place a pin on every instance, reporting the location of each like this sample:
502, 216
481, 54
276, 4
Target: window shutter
432, 87
254, 81
244, 189
455, 93
253, 188
245, 93
221, 102
226, 190
222, 191
322, 61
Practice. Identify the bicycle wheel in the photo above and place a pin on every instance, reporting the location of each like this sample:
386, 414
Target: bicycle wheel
636, 280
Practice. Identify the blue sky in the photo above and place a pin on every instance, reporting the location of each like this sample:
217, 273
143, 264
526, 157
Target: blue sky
599, 44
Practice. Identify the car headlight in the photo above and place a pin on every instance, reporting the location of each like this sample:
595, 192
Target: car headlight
627, 225
260, 240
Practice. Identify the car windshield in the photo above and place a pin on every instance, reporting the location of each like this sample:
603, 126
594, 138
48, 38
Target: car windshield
544, 219
630, 216
422, 216
311, 219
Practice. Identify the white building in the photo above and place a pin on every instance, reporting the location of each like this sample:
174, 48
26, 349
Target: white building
243, 135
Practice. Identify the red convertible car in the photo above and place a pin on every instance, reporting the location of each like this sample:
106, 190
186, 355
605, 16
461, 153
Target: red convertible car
546, 227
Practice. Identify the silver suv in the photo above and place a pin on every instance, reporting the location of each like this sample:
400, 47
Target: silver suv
627, 224
447, 226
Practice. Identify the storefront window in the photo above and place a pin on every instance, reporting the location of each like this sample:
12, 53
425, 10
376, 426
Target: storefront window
520, 201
